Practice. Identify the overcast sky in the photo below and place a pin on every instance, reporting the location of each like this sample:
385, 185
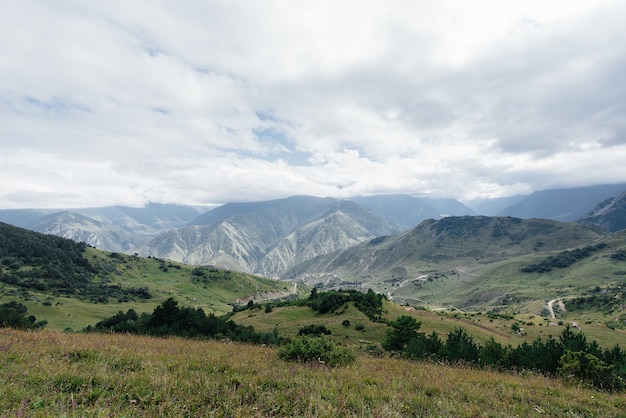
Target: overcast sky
206, 102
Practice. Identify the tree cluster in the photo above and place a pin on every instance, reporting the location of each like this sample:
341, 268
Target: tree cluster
208, 274
563, 259
170, 319
370, 303
570, 355
619, 255
13, 315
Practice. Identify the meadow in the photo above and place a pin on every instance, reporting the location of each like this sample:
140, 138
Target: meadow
52, 373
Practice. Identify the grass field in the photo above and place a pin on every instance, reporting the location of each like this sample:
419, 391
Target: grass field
48, 373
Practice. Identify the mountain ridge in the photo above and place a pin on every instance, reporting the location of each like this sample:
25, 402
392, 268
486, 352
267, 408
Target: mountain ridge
450, 242
269, 238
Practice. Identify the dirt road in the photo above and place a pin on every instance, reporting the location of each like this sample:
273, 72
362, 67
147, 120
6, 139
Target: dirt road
551, 306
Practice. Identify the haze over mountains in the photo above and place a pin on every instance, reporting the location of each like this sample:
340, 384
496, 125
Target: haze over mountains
111, 228
562, 204
272, 237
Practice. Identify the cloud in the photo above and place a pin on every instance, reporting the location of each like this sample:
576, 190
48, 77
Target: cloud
210, 102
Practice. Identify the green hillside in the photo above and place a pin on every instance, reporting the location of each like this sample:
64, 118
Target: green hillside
71, 285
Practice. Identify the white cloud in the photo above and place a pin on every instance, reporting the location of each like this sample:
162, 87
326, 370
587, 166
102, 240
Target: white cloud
209, 102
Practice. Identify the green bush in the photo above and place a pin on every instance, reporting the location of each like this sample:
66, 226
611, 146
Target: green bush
313, 329
590, 369
316, 350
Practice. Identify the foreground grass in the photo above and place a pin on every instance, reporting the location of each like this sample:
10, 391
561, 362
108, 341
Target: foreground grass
58, 374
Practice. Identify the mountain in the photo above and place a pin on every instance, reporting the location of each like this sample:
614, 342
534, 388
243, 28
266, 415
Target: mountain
562, 204
111, 228
80, 228
31, 261
409, 211
269, 237
291, 210
443, 244
610, 214
493, 206
147, 221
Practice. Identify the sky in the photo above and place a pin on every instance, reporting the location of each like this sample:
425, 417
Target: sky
208, 102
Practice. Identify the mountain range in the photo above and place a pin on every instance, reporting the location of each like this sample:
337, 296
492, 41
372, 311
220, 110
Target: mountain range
273, 237
270, 237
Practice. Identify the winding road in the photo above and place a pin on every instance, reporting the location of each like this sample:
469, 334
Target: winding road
551, 306
422, 277
551, 309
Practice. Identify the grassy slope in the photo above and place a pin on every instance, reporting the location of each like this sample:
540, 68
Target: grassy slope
481, 326
65, 312
56, 374
501, 285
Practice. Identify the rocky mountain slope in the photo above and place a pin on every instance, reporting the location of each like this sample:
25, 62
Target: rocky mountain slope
269, 237
124, 229
80, 228
610, 214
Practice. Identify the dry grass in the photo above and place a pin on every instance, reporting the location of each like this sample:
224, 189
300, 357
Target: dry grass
56, 374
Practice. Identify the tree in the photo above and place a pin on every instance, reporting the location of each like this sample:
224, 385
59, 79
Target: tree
573, 341
460, 346
403, 330
313, 329
491, 354
164, 315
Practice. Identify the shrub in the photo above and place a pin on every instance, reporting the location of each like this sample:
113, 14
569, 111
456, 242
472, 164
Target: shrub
316, 350
314, 330
589, 369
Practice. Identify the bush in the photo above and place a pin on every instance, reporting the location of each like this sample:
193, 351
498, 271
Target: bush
589, 369
316, 350
314, 330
